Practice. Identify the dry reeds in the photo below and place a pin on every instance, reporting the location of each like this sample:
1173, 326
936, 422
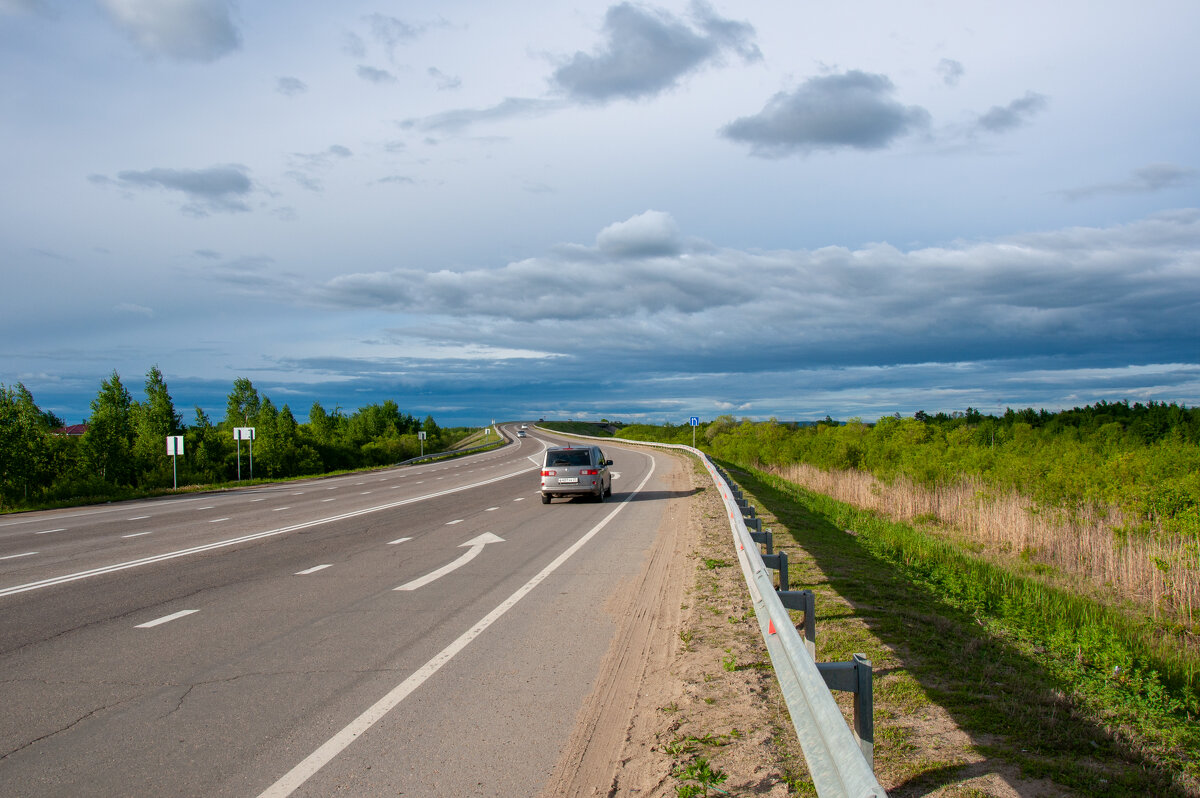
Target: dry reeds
1157, 571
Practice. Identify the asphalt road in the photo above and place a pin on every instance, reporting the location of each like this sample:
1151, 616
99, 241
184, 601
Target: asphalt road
421, 631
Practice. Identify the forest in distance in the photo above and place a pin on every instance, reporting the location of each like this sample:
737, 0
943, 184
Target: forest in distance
123, 451
1141, 458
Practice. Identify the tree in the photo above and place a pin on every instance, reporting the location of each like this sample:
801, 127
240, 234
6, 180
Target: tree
108, 442
208, 450
24, 443
154, 420
243, 404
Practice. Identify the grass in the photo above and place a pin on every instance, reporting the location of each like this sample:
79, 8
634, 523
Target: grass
1047, 684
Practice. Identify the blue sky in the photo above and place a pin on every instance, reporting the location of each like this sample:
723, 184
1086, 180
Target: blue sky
577, 209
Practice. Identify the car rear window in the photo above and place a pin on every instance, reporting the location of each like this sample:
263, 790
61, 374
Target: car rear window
569, 457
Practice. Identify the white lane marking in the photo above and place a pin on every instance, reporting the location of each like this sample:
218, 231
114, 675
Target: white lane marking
15, 556
363, 492
294, 778
165, 619
476, 546
519, 499
327, 500
397, 540
210, 506
136, 535
455, 521
107, 569
490, 509
138, 518
277, 509
262, 499
217, 520
314, 569
48, 531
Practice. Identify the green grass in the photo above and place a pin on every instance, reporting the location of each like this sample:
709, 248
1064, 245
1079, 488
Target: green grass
1051, 683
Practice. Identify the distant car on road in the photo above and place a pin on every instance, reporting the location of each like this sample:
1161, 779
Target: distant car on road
576, 471
520, 433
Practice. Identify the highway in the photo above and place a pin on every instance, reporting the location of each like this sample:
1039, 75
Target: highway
425, 630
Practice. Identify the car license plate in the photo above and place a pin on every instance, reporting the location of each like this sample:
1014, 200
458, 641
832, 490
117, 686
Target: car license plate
568, 480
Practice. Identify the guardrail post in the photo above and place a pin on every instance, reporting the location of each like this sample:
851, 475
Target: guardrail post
855, 677
759, 535
803, 601
779, 563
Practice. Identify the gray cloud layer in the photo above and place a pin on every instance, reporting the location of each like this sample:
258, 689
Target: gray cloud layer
1120, 295
852, 110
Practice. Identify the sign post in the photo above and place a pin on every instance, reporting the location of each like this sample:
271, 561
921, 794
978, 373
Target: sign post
695, 422
421, 438
244, 434
175, 448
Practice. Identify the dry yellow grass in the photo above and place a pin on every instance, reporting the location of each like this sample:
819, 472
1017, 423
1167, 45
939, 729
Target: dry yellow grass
1159, 572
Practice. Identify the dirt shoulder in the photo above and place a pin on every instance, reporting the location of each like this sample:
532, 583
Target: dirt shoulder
687, 675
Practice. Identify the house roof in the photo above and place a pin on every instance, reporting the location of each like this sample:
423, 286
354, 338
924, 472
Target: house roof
73, 429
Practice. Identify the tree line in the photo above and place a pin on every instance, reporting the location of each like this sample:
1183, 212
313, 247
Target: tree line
124, 446
1142, 458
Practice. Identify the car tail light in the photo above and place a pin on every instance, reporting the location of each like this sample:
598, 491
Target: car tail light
546, 472
589, 472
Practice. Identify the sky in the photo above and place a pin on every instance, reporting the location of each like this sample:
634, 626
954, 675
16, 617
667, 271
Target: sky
572, 209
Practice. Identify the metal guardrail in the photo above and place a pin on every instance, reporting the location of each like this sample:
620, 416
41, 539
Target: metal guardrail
839, 760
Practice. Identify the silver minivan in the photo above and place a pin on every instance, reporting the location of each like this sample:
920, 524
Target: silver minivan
574, 471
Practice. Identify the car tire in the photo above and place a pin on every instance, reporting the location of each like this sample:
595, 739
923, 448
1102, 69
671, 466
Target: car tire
600, 495
545, 499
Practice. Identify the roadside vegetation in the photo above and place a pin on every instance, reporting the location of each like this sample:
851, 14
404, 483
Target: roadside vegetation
123, 455
1025, 586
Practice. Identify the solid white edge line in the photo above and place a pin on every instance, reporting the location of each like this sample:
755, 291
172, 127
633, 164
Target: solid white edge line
107, 569
165, 619
15, 556
295, 777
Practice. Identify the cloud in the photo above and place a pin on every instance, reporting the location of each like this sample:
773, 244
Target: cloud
374, 75
851, 110
443, 81
951, 71
649, 235
1146, 180
290, 86
136, 310
391, 32
456, 120
1015, 114
647, 51
221, 189
322, 159
184, 30
40, 7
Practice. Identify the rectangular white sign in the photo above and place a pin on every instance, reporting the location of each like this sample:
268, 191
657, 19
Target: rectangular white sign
174, 444
243, 433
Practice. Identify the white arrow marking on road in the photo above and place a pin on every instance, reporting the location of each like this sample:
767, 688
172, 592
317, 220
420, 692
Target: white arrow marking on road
314, 569
476, 545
